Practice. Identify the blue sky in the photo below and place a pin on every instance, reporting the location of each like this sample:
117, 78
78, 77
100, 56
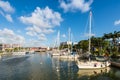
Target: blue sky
36, 22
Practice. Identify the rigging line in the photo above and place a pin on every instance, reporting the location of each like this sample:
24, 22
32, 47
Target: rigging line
55, 43
86, 27
93, 24
73, 38
66, 38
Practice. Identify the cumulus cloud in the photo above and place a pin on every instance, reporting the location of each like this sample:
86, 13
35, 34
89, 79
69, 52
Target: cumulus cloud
48, 31
8, 36
42, 18
5, 5
9, 18
42, 37
41, 21
34, 43
117, 22
73, 5
6, 9
30, 33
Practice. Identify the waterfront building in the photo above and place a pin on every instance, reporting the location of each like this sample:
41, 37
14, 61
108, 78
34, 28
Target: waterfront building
8, 46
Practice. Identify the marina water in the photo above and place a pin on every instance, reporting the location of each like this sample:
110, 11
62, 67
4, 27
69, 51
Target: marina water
41, 66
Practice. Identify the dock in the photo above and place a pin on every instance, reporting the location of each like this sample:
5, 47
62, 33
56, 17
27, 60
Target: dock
115, 64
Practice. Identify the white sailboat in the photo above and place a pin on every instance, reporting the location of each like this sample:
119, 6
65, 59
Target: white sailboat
68, 54
56, 52
91, 64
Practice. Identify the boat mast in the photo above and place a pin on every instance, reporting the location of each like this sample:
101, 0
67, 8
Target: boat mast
69, 31
90, 34
58, 40
71, 43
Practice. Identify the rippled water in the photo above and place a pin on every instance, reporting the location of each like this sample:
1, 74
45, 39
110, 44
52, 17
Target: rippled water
44, 67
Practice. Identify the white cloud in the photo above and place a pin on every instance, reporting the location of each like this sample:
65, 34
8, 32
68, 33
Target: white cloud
117, 22
41, 21
43, 18
34, 43
1, 13
33, 31
30, 33
47, 31
6, 9
42, 37
9, 18
5, 5
8, 36
73, 5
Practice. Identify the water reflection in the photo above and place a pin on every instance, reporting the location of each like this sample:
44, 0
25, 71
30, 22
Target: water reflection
117, 73
67, 68
13, 68
93, 72
41, 66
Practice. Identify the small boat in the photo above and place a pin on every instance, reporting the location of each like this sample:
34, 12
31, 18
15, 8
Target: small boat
101, 58
0, 57
92, 64
56, 52
89, 64
19, 53
31, 52
69, 56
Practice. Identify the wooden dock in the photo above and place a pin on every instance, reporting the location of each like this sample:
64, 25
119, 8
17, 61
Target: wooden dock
115, 64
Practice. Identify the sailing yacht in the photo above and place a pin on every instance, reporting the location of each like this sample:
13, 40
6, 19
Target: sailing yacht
56, 52
89, 64
69, 54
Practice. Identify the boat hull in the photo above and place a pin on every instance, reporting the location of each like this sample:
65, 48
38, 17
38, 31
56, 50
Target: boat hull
55, 54
69, 56
92, 65
19, 53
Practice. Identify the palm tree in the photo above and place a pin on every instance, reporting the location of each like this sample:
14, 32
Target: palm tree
84, 45
100, 44
114, 45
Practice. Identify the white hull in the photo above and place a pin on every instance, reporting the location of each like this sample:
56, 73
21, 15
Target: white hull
69, 56
55, 54
31, 52
92, 65
19, 53
0, 56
